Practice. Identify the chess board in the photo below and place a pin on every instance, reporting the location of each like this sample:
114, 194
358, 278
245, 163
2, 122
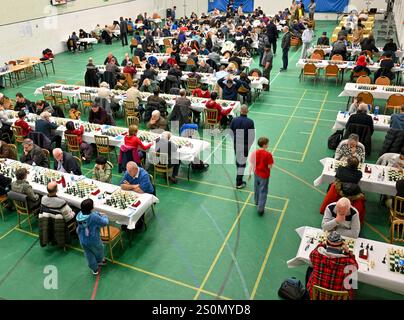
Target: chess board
12, 115
365, 87
70, 88
114, 132
337, 163
80, 189
396, 260
90, 127
121, 199
394, 89
394, 175
92, 90
52, 86
9, 169
322, 238
45, 176
180, 142
147, 136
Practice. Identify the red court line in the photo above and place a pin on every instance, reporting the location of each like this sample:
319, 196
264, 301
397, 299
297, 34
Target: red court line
97, 281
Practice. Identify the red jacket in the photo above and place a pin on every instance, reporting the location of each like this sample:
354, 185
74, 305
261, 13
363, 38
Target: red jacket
134, 142
24, 125
201, 94
221, 112
130, 70
78, 132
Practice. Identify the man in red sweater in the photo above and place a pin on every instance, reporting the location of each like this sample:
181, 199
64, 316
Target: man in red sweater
22, 123
222, 113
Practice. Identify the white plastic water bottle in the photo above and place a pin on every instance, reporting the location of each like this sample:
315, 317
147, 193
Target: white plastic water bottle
376, 112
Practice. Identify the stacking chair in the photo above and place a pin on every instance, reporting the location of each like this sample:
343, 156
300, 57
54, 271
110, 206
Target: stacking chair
320, 52
103, 146
167, 43
3, 201
363, 79
397, 209
295, 42
160, 163
320, 293
21, 205
72, 143
130, 109
395, 101
211, 118
337, 57
189, 64
383, 81
310, 70
129, 79
78, 160
132, 120
111, 236
397, 231
136, 62
331, 71
59, 100
191, 84
169, 50
85, 101
367, 97
18, 134
48, 96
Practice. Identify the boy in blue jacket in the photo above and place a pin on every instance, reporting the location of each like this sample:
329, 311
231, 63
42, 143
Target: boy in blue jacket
88, 230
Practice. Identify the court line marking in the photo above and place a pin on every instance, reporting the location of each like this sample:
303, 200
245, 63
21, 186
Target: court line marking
288, 159
152, 274
215, 197
287, 124
290, 151
378, 232
216, 259
314, 128
11, 230
268, 252
289, 116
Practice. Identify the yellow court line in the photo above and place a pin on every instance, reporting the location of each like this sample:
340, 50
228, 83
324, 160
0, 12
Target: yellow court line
227, 187
288, 159
300, 179
290, 151
264, 263
286, 88
213, 196
287, 124
8, 232
289, 106
314, 128
155, 275
216, 259
378, 232
289, 116
315, 100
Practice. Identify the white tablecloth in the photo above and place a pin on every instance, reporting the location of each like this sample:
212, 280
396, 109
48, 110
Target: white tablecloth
88, 40
353, 51
379, 92
189, 148
376, 181
128, 216
380, 123
380, 276
342, 65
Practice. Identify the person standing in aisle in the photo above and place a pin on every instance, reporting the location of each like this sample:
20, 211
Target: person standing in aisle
261, 162
312, 9
307, 38
124, 31
272, 33
266, 63
285, 48
243, 137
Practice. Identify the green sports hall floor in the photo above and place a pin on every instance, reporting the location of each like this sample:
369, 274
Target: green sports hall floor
207, 240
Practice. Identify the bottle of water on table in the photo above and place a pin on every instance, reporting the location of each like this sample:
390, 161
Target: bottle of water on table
376, 111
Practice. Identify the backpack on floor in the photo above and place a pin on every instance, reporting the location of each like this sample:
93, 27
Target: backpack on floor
292, 289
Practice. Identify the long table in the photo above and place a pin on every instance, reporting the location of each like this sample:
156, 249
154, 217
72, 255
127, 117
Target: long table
197, 104
207, 78
38, 178
380, 123
377, 91
371, 271
379, 180
189, 149
353, 51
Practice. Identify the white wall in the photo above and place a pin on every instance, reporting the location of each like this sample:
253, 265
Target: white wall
30, 38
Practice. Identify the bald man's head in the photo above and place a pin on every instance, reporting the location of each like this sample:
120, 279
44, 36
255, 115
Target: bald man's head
132, 168
58, 154
52, 187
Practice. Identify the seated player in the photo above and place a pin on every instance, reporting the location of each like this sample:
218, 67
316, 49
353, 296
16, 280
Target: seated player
397, 119
85, 148
395, 160
44, 126
340, 216
53, 204
21, 185
164, 145
74, 113
350, 147
6, 151
361, 117
22, 123
328, 265
136, 179
5, 185
102, 170
132, 140
355, 105
222, 113
157, 123
33, 154
65, 162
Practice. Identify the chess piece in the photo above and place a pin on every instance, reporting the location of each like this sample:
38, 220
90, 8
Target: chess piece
367, 246
371, 248
362, 245
384, 260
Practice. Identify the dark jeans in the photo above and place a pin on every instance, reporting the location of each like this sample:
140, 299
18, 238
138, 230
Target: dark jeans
285, 58
124, 36
273, 43
266, 73
241, 162
176, 169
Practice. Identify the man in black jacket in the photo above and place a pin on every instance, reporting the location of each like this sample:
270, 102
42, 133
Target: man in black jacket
33, 154
323, 40
272, 33
350, 173
44, 126
361, 117
123, 26
285, 48
64, 162
243, 137
21, 103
